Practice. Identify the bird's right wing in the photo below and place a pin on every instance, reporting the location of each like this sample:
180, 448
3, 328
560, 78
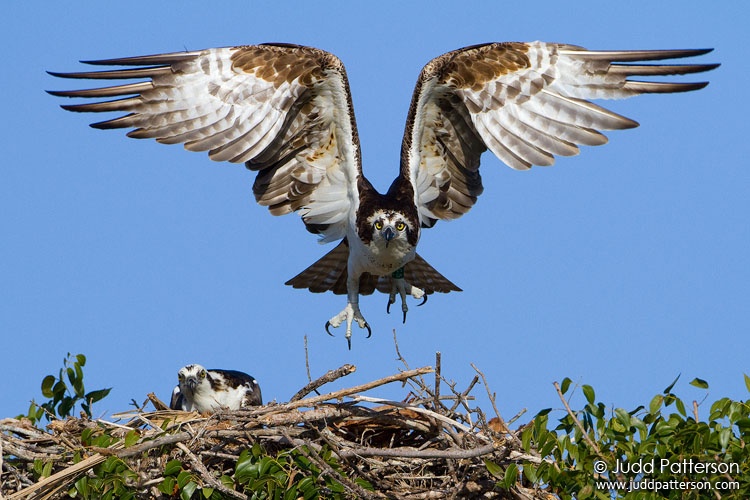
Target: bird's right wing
283, 110
177, 402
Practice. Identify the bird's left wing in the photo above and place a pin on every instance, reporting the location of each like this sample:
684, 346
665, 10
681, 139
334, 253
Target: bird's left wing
526, 102
283, 110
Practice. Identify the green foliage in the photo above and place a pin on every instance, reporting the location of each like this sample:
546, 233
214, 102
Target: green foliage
657, 452
65, 391
289, 475
112, 479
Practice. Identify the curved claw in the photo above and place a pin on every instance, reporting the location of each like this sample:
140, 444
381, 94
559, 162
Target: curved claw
349, 342
404, 317
388, 307
424, 300
328, 323
369, 331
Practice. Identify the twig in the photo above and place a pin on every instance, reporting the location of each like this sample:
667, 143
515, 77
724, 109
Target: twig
585, 434
695, 410
491, 395
354, 390
329, 376
207, 476
462, 397
158, 403
366, 451
68, 472
398, 353
307, 361
417, 409
517, 416
437, 380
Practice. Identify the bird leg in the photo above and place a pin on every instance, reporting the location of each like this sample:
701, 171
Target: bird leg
400, 286
350, 314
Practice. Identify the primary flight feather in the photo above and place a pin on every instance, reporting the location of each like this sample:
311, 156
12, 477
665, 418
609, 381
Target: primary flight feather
285, 111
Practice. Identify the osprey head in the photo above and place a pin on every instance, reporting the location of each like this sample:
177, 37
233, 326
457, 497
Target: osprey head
190, 377
388, 226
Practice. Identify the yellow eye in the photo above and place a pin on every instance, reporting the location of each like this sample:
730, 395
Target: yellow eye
378, 225
400, 226
180, 376
202, 374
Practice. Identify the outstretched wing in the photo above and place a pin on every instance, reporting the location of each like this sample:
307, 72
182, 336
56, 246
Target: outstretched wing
526, 102
283, 110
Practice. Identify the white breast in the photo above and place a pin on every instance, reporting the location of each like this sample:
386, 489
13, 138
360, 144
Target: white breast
378, 259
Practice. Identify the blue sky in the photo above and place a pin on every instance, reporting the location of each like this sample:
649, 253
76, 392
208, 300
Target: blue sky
620, 268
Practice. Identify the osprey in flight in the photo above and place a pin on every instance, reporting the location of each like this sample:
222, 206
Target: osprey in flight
285, 111
206, 391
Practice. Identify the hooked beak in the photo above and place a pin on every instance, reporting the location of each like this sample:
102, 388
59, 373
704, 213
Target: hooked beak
192, 383
388, 234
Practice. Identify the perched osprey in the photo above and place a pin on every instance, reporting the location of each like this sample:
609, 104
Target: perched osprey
285, 111
205, 391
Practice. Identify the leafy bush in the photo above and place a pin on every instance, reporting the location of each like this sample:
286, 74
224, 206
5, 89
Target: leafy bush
662, 451
63, 397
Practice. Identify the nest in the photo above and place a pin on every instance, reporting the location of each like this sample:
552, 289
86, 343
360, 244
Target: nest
428, 446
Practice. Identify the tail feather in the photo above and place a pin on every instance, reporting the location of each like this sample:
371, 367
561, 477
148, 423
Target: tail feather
422, 275
329, 273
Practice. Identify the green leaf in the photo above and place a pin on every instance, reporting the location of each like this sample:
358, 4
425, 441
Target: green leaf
526, 439
700, 383
586, 491
47, 469
724, 436
207, 491
131, 438
588, 391
167, 486
66, 405
747, 382
173, 467
49, 381
95, 396
494, 469
565, 385
623, 417
655, 404
511, 474
183, 478
81, 359
680, 407
669, 387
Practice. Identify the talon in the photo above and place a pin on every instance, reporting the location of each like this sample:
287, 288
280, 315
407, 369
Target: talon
404, 317
424, 300
349, 342
388, 307
328, 323
369, 333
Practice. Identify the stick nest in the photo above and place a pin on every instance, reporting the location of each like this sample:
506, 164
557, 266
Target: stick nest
427, 446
